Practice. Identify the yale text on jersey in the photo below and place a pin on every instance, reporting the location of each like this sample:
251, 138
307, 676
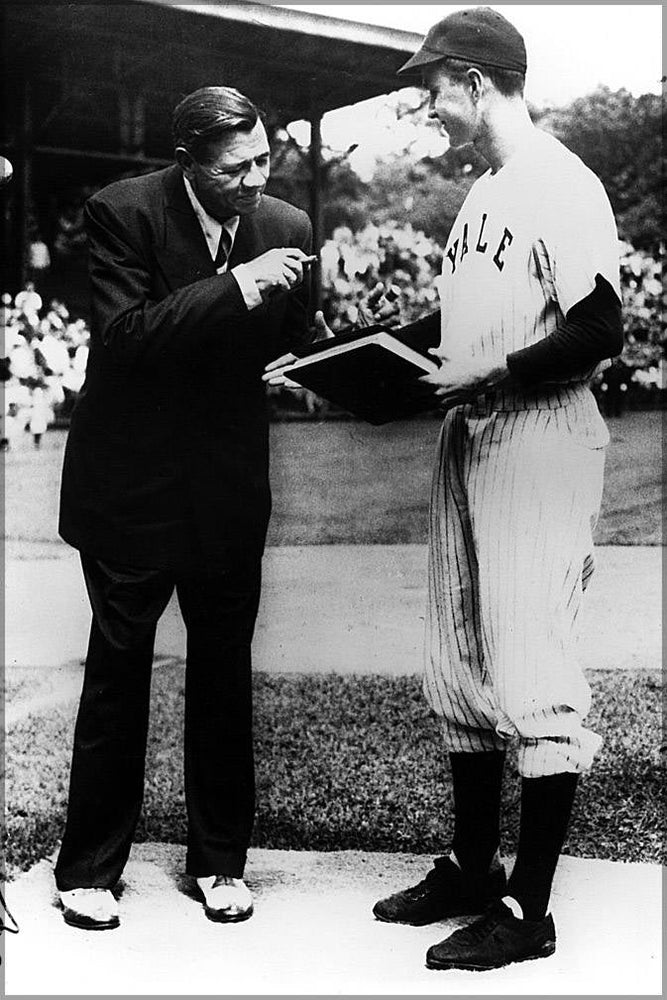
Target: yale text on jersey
480, 244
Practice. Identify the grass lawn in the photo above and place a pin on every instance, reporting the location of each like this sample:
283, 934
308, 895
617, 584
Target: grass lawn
354, 763
348, 482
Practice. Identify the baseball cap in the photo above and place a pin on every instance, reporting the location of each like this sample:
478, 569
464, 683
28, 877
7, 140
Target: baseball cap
480, 34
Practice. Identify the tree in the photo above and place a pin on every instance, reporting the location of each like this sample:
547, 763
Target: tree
617, 135
343, 191
620, 138
416, 193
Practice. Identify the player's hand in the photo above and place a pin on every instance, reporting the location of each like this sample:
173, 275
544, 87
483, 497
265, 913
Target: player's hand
274, 373
459, 379
322, 330
380, 306
279, 270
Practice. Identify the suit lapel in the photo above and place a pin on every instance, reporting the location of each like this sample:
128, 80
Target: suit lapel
184, 257
247, 242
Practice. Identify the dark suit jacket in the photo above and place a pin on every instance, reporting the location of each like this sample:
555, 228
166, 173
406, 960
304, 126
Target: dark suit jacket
167, 457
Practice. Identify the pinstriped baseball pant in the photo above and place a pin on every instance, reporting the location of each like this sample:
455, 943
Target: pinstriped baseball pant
515, 496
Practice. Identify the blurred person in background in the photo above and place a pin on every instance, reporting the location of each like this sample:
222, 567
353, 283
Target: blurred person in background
28, 302
614, 386
198, 278
39, 259
41, 414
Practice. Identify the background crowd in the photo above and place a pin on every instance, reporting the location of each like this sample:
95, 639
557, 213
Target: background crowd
45, 351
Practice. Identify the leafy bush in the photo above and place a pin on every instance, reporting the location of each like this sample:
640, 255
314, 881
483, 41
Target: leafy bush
352, 263
644, 304
619, 136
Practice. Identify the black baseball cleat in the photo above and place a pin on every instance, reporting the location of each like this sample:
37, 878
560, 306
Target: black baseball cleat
496, 939
445, 892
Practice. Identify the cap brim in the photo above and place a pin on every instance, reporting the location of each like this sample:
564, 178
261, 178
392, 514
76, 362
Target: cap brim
421, 58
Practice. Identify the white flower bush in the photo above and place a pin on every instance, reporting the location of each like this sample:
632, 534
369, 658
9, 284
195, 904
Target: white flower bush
353, 263
644, 304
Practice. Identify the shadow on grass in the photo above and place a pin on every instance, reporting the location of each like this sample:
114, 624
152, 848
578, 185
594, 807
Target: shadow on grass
354, 763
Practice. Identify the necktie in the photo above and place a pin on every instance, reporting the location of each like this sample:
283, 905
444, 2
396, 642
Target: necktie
224, 249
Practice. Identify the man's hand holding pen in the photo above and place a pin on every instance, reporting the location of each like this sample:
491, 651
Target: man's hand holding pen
279, 270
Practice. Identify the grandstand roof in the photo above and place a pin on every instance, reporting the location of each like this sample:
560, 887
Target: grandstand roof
83, 58
300, 61
90, 87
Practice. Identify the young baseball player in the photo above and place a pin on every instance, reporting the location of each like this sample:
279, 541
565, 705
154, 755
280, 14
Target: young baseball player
530, 307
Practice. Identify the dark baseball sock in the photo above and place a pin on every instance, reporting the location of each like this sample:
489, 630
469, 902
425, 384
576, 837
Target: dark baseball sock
546, 805
477, 780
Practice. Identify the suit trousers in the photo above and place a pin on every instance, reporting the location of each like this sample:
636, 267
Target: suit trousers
219, 608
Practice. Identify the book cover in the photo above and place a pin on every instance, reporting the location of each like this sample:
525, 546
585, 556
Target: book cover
372, 373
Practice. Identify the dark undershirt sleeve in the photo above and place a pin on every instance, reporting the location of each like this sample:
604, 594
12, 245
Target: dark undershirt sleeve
592, 332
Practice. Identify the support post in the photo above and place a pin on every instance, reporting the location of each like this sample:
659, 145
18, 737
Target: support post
22, 202
139, 124
316, 215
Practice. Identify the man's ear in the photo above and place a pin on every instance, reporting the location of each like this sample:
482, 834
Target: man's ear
184, 160
476, 82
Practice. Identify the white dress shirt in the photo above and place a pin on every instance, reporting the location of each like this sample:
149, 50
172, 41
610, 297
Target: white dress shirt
211, 229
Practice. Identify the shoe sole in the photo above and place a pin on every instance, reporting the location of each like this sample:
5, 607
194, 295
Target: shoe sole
544, 952
88, 924
432, 920
222, 917
405, 923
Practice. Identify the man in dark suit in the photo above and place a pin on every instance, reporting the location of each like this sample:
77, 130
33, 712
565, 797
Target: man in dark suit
197, 281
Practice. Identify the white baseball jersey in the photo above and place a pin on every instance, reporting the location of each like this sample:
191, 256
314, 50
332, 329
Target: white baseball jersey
525, 247
518, 479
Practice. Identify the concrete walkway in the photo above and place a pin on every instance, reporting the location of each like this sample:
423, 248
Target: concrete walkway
313, 934
347, 608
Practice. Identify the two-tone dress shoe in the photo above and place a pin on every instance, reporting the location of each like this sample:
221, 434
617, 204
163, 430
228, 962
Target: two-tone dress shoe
91, 909
226, 899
